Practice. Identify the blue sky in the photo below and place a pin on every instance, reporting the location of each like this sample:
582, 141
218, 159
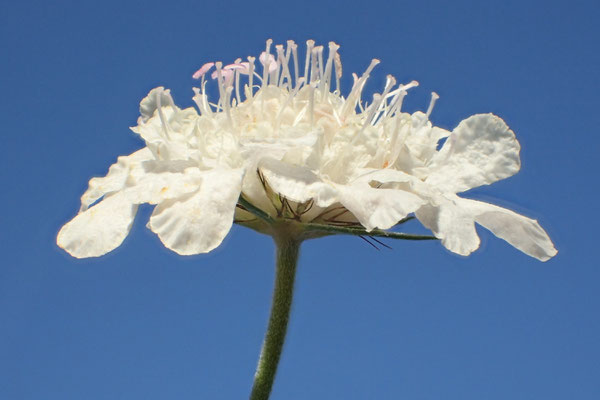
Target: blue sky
416, 322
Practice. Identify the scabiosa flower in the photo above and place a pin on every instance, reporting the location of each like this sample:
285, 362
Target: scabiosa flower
283, 152
283, 144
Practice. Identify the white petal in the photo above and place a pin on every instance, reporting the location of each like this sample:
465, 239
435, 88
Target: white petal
155, 188
378, 208
171, 127
99, 229
403, 180
297, 183
254, 192
116, 178
367, 175
149, 104
198, 222
481, 150
423, 138
523, 233
451, 224
252, 187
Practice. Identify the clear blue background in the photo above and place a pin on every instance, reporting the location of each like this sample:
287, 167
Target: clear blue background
413, 323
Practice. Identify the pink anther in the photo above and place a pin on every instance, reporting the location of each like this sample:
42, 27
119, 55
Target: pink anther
268, 59
242, 67
203, 70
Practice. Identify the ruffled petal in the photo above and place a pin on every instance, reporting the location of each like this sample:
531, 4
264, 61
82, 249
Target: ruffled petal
523, 233
398, 179
198, 222
171, 127
297, 183
155, 188
99, 229
117, 177
368, 175
378, 208
451, 224
157, 97
480, 151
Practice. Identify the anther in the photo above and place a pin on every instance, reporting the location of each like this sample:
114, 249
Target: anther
203, 70
434, 97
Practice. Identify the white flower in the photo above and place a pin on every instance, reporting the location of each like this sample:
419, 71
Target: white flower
286, 145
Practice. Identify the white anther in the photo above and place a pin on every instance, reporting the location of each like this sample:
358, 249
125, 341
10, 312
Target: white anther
434, 97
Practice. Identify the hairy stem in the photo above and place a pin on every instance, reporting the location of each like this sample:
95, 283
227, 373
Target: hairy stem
287, 258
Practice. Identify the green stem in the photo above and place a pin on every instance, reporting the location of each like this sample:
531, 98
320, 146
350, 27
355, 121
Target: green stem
288, 249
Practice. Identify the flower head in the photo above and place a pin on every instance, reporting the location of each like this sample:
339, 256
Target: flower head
282, 145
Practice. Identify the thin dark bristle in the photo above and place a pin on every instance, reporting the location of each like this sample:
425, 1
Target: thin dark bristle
311, 203
286, 203
344, 211
327, 212
261, 178
365, 239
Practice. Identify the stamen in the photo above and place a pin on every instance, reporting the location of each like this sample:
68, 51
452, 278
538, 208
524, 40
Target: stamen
226, 73
220, 85
332, 52
287, 102
313, 66
238, 66
228, 92
390, 82
203, 70
320, 58
309, 46
285, 73
274, 78
354, 81
201, 101
265, 59
338, 71
434, 97
396, 103
249, 94
237, 81
377, 99
354, 95
294, 47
